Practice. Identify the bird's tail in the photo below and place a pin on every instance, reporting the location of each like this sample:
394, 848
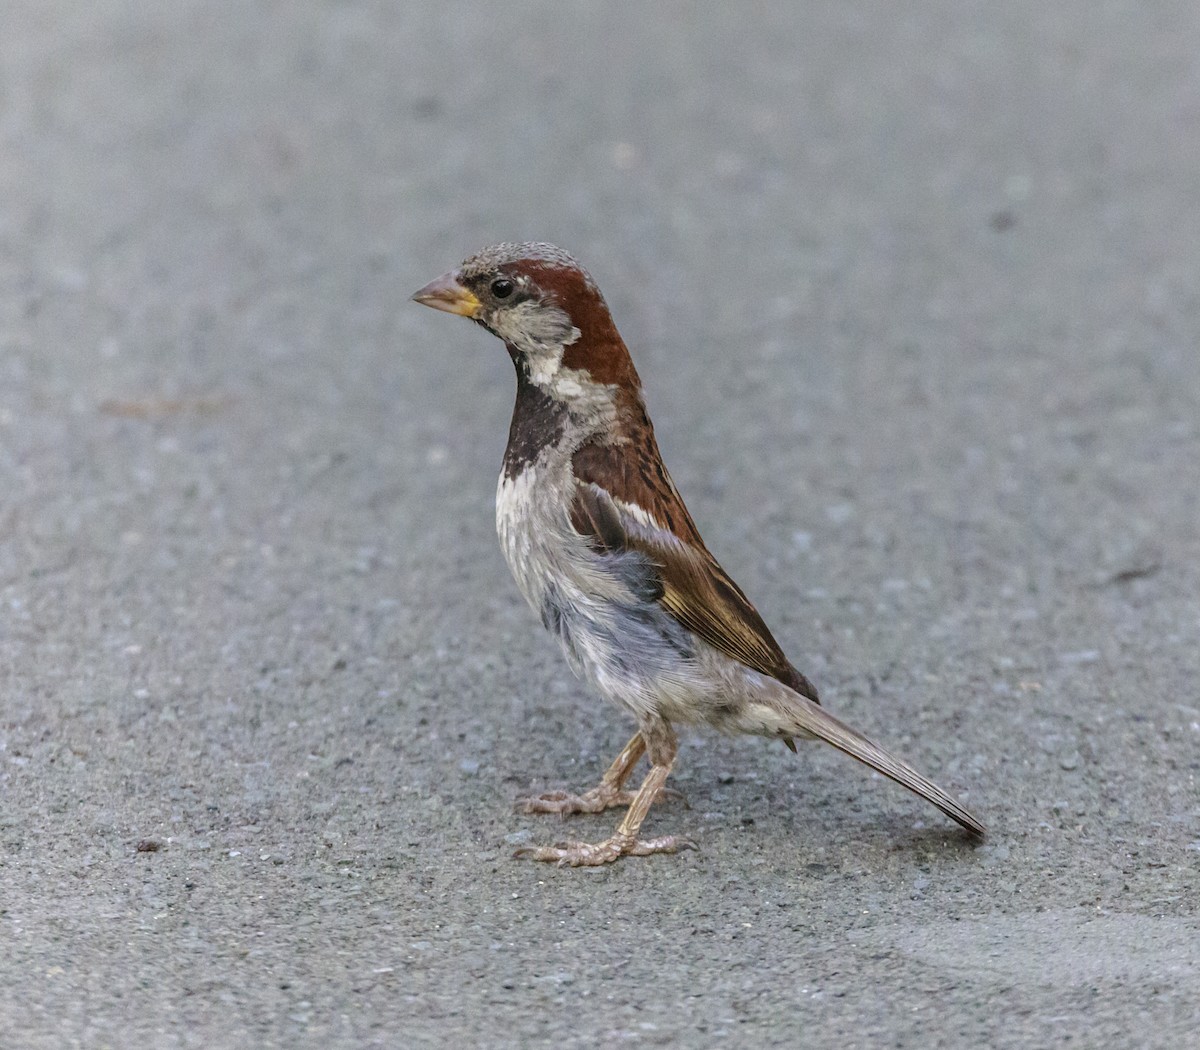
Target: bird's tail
811, 719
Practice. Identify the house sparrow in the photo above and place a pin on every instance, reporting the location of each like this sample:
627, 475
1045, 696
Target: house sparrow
605, 551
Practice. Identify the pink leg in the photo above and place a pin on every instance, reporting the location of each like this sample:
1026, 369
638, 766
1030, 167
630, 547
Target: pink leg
658, 738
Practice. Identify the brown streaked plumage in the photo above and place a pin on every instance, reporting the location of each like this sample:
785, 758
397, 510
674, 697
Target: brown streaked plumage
604, 549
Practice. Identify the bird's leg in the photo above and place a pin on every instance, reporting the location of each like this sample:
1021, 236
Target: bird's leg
608, 793
605, 794
658, 738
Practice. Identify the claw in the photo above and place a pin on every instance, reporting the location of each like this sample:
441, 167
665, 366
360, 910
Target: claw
671, 795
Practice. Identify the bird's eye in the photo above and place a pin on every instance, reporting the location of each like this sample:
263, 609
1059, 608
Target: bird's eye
502, 287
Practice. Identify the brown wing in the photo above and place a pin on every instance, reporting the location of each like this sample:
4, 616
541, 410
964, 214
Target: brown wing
639, 509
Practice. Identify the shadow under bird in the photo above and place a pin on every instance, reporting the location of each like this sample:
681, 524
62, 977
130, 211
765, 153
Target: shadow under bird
603, 548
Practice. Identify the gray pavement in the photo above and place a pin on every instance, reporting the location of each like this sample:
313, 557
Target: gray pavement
913, 288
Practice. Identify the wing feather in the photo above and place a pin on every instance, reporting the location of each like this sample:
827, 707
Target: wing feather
693, 587
626, 502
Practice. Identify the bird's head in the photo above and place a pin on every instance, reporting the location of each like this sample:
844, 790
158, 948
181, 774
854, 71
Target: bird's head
547, 310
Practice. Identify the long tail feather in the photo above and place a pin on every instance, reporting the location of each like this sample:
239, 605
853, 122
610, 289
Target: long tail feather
814, 719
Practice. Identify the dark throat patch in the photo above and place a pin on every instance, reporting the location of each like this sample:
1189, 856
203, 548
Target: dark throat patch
538, 420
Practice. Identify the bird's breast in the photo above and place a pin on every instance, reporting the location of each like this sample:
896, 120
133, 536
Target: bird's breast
548, 558
600, 605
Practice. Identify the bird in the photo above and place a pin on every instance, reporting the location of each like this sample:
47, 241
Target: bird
603, 548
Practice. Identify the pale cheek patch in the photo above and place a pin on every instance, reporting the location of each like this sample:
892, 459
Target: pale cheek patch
535, 328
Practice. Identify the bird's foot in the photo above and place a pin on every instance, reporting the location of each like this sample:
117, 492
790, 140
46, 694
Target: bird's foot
588, 854
595, 800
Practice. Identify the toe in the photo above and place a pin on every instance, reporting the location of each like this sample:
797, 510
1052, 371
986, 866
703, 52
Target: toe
588, 854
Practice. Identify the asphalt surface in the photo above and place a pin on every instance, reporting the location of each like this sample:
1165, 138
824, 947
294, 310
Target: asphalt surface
913, 288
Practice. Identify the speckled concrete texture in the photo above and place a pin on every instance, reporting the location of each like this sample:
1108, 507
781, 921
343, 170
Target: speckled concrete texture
913, 288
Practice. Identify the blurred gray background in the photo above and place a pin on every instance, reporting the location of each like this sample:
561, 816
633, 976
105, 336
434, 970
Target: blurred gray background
913, 288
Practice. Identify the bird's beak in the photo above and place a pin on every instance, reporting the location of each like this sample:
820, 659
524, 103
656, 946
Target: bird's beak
448, 293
